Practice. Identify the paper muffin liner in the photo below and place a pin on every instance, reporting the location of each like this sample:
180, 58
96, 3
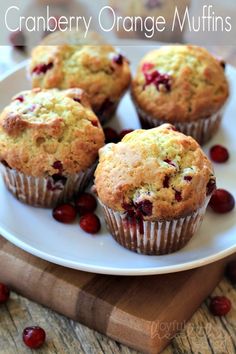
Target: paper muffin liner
153, 237
45, 191
202, 130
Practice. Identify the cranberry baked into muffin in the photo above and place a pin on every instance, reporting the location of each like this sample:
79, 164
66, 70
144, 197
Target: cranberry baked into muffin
98, 69
154, 187
183, 85
49, 142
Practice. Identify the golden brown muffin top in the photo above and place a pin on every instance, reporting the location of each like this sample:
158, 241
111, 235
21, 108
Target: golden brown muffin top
159, 173
180, 83
43, 132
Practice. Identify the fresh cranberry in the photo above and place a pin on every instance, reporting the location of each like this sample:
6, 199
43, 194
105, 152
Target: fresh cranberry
146, 67
222, 201
90, 223
145, 207
124, 133
118, 59
42, 68
77, 99
17, 40
64, 213
111, 135
211, 186
4, 293
178, 196
158, 80
220, 305
85, 203
188, 178
34, 337
231, 271
20, 98
170, 162
219, 153
166, 182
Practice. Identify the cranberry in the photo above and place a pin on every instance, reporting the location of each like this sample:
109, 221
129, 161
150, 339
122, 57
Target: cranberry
64, 213
20, 98
166, 182
34, 337
85, 203
178, 196
211, 186
90, 223
222, 201
231, 271
145, 207
4, 293
219, 153
147, 67
124, 133
220, 305
95, 123
111, 135
77, 99
42, 68
17, 39
158, 80
118, 59
170, 162
58, 166
188, 178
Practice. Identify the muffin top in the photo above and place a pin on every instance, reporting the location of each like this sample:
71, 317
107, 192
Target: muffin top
98, 69
44, 132
180, 83
157, 173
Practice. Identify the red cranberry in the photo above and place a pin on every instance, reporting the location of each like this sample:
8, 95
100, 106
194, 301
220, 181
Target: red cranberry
90, 223
158, 80
118, 59
20, 98
85, 203
34, 337
188, 178
4, 293
178, 196
166, 182
111, 135
77, 99
231, 271
58, 166
222, 201
147, 67
17, 40
42, 68
145, 207
220, 305
211, 186
170, 162
64, 213
95, 123
124, 133
219, 153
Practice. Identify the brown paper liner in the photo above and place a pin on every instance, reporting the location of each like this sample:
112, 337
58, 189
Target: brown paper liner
35, 191
201, 130
153, 237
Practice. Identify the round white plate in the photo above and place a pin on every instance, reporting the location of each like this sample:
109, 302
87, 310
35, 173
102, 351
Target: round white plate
35, 231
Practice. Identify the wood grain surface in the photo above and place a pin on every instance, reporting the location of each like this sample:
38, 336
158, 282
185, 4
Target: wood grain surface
142, 312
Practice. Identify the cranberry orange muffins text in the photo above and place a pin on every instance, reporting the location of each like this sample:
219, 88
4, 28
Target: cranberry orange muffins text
98, 69
183, 85
49, 142
154, 187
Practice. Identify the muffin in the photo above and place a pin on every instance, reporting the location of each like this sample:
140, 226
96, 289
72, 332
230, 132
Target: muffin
183, 85
98, 69
154, 187
49, 142
148, 9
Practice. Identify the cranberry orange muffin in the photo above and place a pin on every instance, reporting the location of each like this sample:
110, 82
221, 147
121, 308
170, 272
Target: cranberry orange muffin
183, 85
98, 69
154, 187
49, 142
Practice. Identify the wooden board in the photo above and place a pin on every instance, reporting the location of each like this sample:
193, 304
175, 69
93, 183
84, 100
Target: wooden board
141, 312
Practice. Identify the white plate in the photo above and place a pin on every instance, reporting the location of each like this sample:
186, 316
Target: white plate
37, 232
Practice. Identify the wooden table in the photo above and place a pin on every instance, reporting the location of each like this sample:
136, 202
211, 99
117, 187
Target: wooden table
202, 334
